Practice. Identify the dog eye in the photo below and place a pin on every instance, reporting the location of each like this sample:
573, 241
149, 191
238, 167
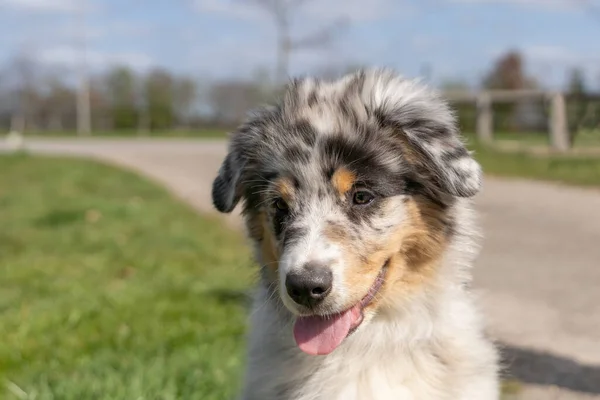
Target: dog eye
362, 197
281, 205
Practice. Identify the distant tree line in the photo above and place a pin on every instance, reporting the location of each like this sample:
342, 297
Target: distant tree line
34, 98
531, 115
38, 98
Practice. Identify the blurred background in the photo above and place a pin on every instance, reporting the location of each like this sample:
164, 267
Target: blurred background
117, 280
155, 66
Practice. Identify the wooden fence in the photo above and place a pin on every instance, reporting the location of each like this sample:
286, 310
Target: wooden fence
560, 140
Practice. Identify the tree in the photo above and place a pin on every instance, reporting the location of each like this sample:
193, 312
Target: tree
230, 101
25, 73
159, 99
454, 86
577, 105
508, 73
5, 103
102, 117
576, 84
264, 82
120, 85
58, 105
466, 111
184, 96
281, 11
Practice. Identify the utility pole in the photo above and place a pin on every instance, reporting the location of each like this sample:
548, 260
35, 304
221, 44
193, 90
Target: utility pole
84, 125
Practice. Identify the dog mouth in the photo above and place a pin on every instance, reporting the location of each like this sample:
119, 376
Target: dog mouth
322, 334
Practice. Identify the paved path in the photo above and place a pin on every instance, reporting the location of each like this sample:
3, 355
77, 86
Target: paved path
538, 274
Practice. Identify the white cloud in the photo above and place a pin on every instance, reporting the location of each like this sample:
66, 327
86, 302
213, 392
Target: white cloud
232, 8
61, 6
550, 4
67, 56
258, 49
53, 6
359, 11
316, 11
226, 58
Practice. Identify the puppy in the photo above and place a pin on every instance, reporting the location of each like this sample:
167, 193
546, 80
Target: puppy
356, 194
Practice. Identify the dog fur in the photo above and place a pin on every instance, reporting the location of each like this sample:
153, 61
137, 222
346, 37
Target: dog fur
296, 167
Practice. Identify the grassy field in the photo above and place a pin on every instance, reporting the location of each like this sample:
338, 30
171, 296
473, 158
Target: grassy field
572, 170
527, 140
180, 133
583, 138
516, 160
112, 290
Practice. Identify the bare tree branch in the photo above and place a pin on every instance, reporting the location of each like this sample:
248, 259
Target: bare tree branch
272, 6
281, 10
277, 6
322, 37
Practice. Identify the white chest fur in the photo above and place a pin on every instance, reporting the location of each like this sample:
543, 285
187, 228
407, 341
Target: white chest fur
422, 353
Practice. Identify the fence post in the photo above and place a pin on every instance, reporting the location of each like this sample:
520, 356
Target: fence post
559, 132
484, 117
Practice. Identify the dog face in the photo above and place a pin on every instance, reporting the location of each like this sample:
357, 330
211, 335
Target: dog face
348, 190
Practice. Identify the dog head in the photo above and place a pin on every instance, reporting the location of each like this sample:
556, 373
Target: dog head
348, 188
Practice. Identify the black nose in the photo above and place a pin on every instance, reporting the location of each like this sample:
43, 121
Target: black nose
310, 285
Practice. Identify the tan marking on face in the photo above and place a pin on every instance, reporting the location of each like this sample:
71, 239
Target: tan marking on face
361, 272
418, 261
413, 251
254, 227
343, 180
353, 249
427, 240
268, 247
285, 188
336, 233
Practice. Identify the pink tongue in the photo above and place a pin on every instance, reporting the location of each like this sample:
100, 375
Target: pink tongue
321, 335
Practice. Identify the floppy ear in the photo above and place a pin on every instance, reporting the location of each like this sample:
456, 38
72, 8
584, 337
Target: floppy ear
442, 158
427, 128
226, 188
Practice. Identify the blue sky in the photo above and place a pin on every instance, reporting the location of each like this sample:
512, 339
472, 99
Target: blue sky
224, 38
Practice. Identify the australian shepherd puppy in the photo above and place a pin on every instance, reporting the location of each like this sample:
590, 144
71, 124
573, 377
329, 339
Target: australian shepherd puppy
356, 194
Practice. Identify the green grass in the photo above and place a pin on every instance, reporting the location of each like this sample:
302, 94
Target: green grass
581, 171
175, 133
523, 138
111, 289
587, 138
583, 139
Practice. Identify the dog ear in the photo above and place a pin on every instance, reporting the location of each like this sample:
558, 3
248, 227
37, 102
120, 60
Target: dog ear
442, 159
226, 188
427, 128
244, 143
